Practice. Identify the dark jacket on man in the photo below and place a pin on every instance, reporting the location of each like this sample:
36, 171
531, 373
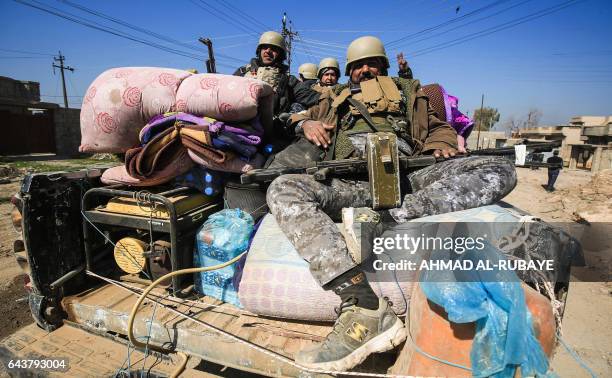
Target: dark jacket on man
288, 90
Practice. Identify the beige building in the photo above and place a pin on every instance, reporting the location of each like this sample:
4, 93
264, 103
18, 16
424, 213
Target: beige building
567, 134
594, 151
488, 139
586, 141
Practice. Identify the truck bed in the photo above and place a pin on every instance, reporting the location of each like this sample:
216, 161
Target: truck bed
106, 310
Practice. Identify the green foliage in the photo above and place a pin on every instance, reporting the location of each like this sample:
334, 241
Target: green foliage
486, 119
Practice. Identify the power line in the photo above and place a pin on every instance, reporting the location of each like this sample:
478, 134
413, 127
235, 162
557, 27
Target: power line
446, 23
495, 29
325, 43
318, 49
469, 23
245, 16
130, 26
23, 57
60, 58
143, 30
89, 24
223, 16
26, 52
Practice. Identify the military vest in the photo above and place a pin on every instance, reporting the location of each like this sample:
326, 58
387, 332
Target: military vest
383, 101
270, 75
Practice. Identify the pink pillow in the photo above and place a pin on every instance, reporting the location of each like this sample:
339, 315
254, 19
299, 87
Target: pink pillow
121, 101
223, 97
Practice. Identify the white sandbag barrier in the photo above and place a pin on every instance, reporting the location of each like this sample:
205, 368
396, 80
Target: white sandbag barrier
120, 102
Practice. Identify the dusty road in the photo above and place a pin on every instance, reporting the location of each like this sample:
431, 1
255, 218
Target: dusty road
587, 324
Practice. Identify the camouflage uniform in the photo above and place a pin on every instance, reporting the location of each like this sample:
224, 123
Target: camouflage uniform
305, 209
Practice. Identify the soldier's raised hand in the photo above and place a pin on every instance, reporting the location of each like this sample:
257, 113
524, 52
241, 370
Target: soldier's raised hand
402, 63
318, 132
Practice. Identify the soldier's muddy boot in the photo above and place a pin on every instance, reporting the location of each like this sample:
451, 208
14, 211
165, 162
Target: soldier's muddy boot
357, 333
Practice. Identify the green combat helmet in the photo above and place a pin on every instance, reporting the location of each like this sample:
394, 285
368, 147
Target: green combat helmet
328, 63
272, 38
365, 47
308, 71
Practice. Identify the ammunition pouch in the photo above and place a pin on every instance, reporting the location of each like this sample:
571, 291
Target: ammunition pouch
383, 170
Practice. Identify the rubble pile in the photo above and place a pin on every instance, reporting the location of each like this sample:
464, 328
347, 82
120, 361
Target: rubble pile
593, 202
8, 172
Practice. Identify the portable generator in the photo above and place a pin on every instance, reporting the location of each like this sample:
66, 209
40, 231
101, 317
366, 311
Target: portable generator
149, 233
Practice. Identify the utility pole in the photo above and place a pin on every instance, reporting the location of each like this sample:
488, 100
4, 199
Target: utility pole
480, 122
289, 35
210, 62
61, 66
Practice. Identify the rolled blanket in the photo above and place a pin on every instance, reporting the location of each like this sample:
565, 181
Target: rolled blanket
119, 175
232, 164
228, 141
200, 142
163, 148
161, 122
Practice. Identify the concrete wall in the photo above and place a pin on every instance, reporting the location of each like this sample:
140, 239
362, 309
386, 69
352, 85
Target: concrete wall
488, 139
591, 120
19, 90
67, 131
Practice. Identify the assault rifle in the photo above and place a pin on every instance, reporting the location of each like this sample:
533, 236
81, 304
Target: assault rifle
323, 170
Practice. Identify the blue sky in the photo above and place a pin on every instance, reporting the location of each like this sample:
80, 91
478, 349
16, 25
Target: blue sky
560, 63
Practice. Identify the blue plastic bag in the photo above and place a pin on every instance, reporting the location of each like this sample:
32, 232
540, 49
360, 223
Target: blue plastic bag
495, 300
222, 237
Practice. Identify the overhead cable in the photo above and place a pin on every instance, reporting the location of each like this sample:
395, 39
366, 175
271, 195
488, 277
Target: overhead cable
93, 25
495, 29
446, 23
245, 16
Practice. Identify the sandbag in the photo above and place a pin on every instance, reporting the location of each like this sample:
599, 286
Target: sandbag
276, 281
223, 97
121, 101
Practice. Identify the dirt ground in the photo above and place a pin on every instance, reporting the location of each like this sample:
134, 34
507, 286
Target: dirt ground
587, 323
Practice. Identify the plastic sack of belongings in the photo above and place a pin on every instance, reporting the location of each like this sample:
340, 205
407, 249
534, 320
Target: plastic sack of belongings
222, 237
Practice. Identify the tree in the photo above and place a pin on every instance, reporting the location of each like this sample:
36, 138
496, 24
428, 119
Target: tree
533, 117
512, 125
488, 116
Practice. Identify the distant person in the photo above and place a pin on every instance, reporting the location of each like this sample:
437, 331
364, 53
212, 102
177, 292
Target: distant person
556, 164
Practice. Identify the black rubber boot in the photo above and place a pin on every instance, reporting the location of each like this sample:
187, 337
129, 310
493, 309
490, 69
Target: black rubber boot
354, 284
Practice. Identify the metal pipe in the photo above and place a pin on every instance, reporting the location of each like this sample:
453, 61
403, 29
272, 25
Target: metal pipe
62, 280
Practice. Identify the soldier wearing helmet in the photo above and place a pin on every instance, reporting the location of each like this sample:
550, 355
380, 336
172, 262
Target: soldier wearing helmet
268, 66
308, 73
328, 73
305, 208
